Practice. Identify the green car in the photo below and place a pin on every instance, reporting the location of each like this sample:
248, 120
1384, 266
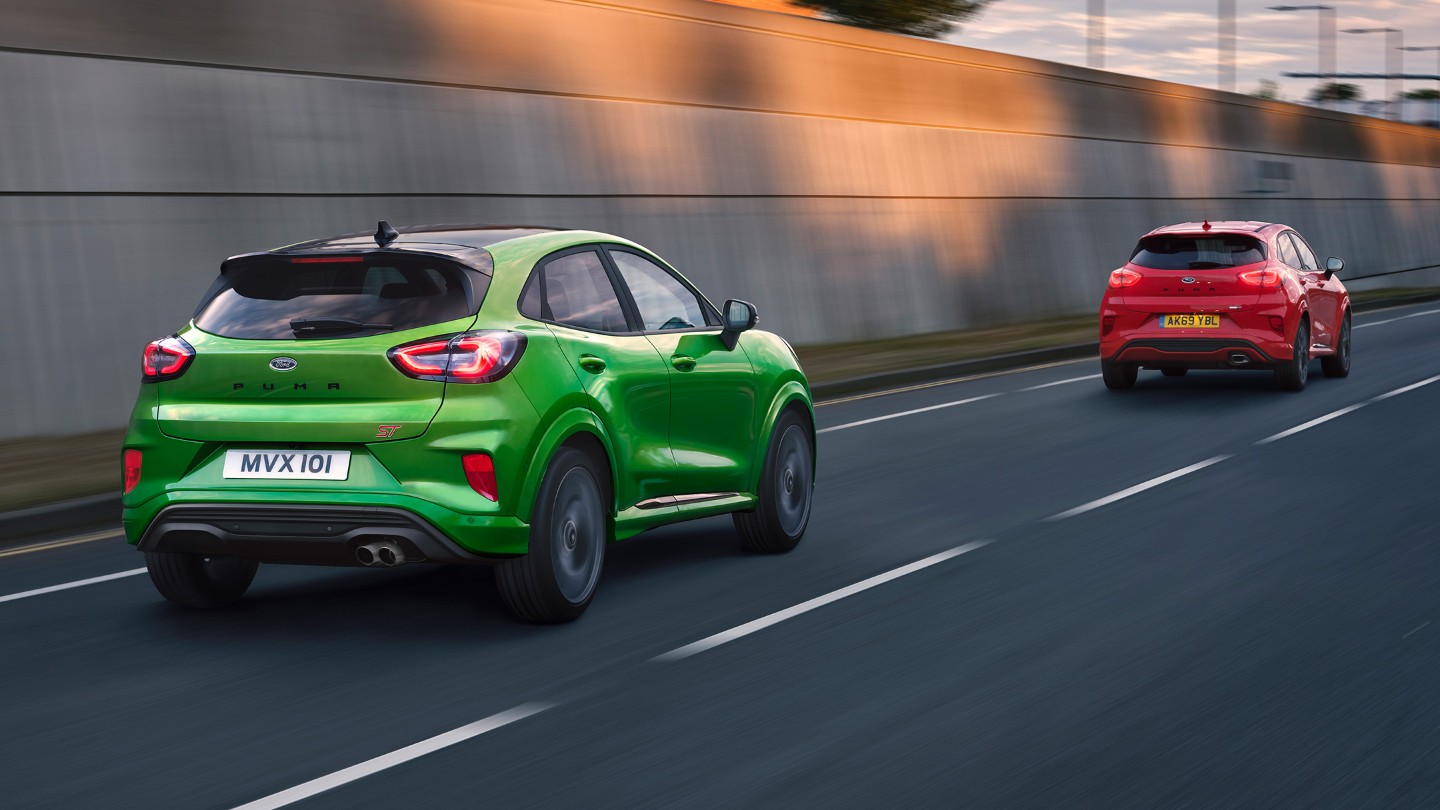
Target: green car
507, 396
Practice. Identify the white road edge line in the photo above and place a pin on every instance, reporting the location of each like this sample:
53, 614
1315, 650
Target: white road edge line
949, 381
907, 413
79, 583
1401, 318
1138, 488
1410, 387
398, 757
763, 622
1312, 423
1063, 382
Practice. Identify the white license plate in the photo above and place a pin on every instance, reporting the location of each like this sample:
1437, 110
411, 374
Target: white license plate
317, 465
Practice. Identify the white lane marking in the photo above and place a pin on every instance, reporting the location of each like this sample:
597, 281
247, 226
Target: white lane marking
79, 583
66, 541
1401, 318
820, 601
398, 757
1138, 488
907, 413
1063, 382
1312, 423
951, 381
1410, 387
1422, 626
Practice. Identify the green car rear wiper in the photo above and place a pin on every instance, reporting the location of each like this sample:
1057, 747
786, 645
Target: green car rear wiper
305, 327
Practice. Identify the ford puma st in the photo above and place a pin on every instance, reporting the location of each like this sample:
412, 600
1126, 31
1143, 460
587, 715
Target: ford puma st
1224, 295
510, 396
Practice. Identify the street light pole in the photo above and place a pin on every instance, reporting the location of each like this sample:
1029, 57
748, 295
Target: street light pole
1436, 49
1325, 40
1095, 41
1394, 44
1225, 47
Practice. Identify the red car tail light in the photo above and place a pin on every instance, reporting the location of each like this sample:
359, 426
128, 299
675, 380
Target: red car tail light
480, 473
1124, 277
131, 461
1264, 278
1107, 325
1277, 323
472, 357
166, 359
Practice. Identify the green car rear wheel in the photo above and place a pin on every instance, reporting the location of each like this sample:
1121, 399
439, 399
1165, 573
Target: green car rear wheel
556, 580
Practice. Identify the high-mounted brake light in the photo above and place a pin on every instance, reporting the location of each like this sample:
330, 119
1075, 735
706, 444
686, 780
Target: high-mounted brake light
327, 259
131, 461
166, 359
472, 357
480, 474
1263, 277
1124, 277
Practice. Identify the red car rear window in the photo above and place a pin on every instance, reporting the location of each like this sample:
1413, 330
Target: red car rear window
1175, 252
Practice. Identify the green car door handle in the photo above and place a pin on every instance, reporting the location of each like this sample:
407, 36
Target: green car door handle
591, 363
683, 362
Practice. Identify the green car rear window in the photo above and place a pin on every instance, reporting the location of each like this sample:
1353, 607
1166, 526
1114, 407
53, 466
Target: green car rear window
284, 298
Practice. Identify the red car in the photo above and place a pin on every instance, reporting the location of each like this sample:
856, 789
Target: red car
1224, 295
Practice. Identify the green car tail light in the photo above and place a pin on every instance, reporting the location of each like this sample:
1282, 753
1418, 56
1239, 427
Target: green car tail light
166, 359
471, 357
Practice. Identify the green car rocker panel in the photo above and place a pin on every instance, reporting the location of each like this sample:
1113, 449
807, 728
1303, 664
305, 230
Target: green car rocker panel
509, 396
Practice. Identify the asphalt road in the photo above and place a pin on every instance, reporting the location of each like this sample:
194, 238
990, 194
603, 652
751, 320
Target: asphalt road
1260, 630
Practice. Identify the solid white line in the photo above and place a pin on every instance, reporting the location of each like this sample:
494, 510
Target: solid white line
1401, 318
390, 760
1138, 488
804, 607
1063, 382
1410, 387
1312, 423
64, 541
68, 585
906, 413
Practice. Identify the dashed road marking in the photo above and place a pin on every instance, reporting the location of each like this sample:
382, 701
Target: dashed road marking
872, 420
710, 642
397, 757
1138, 488
79, 583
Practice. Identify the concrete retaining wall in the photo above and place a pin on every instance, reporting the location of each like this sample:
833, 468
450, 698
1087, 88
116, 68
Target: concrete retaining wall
852, 184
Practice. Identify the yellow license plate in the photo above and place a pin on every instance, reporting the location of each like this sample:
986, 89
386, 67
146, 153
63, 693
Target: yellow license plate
1191, 321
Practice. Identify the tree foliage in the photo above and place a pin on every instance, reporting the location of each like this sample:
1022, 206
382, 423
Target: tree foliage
916, 18
1269, 90
1427, 94
1336, 91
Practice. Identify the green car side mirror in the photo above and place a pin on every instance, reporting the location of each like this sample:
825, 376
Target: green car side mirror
739, 316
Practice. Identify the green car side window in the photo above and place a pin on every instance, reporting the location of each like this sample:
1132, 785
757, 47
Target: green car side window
664, 302
574, 290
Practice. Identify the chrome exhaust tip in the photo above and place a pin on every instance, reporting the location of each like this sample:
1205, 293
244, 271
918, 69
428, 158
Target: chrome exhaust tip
1238, 359
390, 555
366, 555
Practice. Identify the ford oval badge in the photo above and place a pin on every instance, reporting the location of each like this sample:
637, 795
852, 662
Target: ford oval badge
1185, 280
283, 363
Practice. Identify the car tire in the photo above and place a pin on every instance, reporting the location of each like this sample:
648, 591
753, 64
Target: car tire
1338, 364
200, 580
1174, 372
1119, 376
1291, 376
787, 487
556, 580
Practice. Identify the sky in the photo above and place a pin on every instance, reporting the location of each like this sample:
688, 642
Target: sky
1174, 40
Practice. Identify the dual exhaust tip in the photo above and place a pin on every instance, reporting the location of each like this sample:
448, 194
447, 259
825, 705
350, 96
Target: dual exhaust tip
385, 554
